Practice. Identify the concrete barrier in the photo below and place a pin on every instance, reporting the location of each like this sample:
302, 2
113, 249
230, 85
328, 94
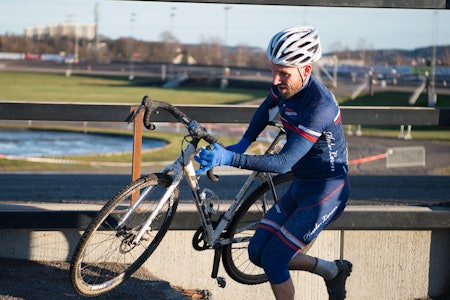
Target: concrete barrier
398, 252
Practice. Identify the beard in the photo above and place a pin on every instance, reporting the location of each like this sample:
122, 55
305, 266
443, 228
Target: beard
287, 91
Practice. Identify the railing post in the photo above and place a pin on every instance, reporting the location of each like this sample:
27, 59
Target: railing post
137, 144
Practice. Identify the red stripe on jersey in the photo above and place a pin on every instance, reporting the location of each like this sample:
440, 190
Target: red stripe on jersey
299, 131
338, 119
273, 95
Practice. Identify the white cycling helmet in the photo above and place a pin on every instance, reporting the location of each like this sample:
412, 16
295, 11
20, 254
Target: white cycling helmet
295, 47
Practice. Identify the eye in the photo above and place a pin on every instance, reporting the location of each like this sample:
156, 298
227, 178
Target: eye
284, 74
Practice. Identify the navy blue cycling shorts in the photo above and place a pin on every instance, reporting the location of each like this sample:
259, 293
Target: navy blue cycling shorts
292, 223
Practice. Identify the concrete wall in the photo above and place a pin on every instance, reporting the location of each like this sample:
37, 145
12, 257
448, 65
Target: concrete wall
388, 264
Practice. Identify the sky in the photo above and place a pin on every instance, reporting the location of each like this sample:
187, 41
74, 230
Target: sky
238, 24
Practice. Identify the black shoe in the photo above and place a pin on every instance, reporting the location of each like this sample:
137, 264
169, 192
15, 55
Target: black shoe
336, 286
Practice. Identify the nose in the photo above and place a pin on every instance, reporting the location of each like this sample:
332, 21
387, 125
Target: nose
276, 79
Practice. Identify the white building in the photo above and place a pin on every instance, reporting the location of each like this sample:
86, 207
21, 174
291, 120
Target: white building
85, 31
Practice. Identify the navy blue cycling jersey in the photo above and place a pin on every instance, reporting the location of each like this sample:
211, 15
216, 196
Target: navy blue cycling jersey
315, 144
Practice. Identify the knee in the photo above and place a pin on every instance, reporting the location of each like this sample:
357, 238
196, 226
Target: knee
254, 253
275, 266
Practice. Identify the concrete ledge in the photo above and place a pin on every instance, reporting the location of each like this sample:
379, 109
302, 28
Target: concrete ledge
51, 216
397, 252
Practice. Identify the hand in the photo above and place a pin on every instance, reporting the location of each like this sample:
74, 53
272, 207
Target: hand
240, 147
209, 159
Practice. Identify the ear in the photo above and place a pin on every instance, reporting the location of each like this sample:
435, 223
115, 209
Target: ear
307, 70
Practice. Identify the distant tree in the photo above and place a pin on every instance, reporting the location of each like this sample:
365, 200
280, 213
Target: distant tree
210, 51
446, 56
365, 51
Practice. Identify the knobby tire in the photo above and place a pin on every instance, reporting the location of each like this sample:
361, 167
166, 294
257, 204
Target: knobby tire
105, 256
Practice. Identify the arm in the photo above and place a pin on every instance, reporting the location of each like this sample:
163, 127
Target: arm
296, 147
260, 118
292, 152
259, 121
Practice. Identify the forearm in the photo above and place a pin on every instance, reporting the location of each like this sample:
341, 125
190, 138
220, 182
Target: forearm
282, 162
265, 163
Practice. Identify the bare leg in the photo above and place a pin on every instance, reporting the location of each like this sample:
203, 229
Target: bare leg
284, 291
303, 262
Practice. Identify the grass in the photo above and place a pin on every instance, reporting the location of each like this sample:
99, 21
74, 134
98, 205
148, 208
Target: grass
15, 86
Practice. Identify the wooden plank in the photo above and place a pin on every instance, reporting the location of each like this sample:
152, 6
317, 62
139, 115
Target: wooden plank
390, 116
412, 4
63, 112
236, 114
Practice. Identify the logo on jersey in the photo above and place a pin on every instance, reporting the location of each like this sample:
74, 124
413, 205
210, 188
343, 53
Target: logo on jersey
290, 112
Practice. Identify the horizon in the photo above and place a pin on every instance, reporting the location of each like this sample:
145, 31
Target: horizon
238, 24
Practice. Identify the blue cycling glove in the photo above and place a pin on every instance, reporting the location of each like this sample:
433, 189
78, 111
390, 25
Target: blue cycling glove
209, 159
239, 147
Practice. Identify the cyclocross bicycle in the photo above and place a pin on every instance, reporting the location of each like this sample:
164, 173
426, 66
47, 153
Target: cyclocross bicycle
130, 226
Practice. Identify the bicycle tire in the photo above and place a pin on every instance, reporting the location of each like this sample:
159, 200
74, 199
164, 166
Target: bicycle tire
235, 256
105, 256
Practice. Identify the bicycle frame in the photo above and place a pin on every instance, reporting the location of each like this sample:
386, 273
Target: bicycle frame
183, 166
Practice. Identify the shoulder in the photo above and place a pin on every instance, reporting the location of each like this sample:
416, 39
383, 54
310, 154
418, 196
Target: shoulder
274, 94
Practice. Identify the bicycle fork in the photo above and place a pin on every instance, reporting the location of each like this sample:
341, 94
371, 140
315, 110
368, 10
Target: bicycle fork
154, 214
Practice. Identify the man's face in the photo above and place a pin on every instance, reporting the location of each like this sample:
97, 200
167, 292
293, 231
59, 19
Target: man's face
288, 79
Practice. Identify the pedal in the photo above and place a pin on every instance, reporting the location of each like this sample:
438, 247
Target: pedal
221, 282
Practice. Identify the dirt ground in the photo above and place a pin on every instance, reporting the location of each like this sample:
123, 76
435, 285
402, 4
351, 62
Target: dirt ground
28, 280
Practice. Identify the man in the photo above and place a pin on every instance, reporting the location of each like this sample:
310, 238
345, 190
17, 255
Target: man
315, 150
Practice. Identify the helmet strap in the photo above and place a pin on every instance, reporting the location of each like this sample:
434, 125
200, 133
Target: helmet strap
304, 79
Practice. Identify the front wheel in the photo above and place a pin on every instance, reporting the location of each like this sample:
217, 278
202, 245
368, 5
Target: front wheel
243, 225
108, 252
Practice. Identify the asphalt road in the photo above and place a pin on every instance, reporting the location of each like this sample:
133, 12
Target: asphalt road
93, 188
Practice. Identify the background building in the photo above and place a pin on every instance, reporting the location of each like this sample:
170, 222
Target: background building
82, 31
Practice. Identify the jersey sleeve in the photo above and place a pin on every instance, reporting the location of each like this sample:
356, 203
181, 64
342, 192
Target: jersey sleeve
294, 149
261, 116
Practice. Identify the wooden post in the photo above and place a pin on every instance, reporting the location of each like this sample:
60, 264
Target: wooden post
137, 144
137, 148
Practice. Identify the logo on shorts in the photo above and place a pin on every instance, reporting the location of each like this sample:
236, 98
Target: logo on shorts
317, 226
277, 208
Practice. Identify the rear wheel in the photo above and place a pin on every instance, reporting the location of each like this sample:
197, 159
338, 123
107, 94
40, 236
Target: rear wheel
243, 225
107, 252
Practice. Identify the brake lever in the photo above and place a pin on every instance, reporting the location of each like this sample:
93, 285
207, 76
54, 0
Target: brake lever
133, 115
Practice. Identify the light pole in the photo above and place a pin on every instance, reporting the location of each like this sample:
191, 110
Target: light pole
432, 98
226, 8
172, 15
131, 76
74, 29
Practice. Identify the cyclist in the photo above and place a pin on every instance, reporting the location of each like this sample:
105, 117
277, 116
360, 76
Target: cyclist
315, 150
